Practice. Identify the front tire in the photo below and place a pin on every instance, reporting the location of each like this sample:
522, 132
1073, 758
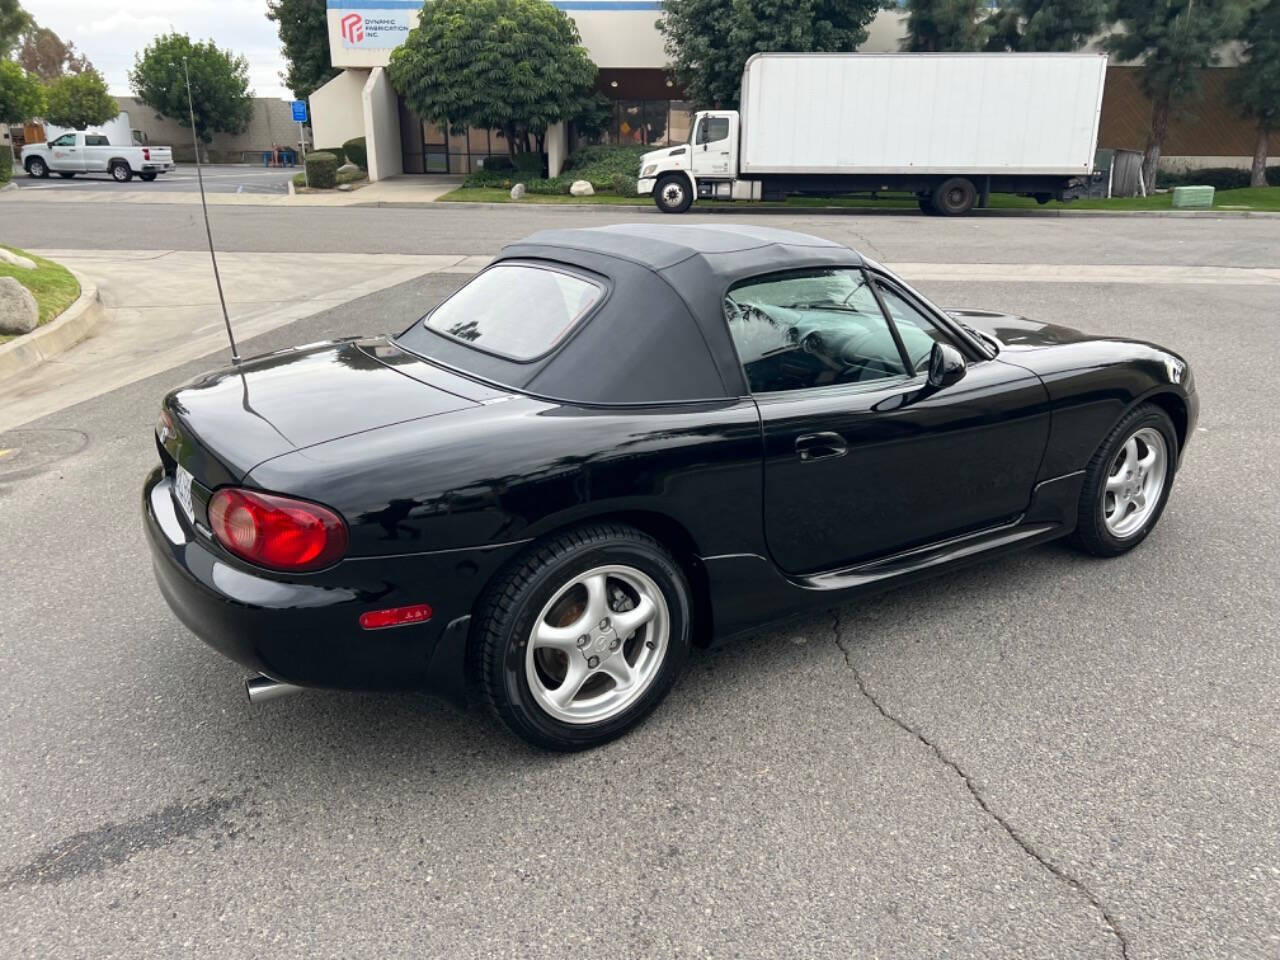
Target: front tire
583, 638
37, 168
673, 194
1127, 483
120, 172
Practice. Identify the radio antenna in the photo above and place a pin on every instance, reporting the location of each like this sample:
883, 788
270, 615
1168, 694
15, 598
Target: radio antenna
208, 232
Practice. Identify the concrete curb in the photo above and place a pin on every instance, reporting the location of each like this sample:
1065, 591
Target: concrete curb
749, 209
60, 334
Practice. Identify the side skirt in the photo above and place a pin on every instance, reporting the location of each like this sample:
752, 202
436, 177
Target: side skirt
749, 591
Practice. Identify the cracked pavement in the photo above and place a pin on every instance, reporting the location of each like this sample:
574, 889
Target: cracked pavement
1042, 756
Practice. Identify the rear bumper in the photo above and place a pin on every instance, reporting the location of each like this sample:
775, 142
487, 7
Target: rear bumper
155, 168
308, 633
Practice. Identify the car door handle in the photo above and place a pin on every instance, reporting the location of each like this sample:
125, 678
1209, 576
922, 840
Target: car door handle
820, 446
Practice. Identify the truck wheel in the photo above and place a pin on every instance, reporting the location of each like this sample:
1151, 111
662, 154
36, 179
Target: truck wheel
37, 168
926, 204
954, 197
65, 175
120, 172
146, 177
672, 194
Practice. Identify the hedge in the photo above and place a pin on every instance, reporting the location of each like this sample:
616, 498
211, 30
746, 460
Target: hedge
356, 152
1220, 178
337, 152
6, 163
322, 170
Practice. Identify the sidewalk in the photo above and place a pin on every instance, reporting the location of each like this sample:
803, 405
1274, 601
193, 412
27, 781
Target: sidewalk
397, 190
161, 309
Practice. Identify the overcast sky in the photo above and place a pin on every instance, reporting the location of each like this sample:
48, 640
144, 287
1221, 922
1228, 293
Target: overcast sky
110, 35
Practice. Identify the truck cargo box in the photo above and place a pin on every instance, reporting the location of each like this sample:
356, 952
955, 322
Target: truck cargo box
955, 113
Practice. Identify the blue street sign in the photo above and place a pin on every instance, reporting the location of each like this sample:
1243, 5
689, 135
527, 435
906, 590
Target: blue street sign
299, 111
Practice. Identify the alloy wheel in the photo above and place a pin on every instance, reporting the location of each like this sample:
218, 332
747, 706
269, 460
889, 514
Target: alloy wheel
1135, 482
597, 644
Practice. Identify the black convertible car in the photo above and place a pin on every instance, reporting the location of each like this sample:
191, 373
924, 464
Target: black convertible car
613, 443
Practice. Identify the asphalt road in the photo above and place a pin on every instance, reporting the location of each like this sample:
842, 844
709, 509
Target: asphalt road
1044, 756
218, 178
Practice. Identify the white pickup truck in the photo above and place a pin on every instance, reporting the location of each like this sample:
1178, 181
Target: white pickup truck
80, 152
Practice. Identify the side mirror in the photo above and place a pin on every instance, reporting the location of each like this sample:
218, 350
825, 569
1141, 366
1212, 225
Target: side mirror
946, 365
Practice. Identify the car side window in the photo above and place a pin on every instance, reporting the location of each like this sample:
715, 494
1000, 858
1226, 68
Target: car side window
811, 328
918, 333
712, 129
66, 140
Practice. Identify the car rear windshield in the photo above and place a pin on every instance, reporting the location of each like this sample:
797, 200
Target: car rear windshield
518, 311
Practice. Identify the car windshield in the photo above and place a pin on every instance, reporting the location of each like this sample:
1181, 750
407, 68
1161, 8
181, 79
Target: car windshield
519, 311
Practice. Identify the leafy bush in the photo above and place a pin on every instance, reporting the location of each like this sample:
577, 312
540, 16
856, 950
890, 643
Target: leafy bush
356, 152
624, 184
6, 163
1220, 178
498, 163
337, 152
599, 165
491, 178
322, 170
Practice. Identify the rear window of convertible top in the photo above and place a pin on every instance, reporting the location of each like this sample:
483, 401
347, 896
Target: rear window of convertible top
519, 311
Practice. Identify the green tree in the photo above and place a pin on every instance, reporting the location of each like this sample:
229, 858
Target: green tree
1055, 26
709, 41
219, 84
45, 54
1256, 86
509, 65
304, 32
79, 100
1174, 39
14, 21
946, 26
21, 95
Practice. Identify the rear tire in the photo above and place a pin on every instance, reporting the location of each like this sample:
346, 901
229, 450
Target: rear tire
673, 194
554, 619
65, 175
120, 172
146, 177
1127, 483
954, 197
37, 168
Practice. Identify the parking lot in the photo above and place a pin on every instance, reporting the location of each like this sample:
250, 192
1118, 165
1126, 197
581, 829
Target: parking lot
218, 178
1045, 756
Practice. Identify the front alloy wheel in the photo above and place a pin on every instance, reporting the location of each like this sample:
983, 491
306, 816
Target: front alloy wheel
583, 637
1127, 483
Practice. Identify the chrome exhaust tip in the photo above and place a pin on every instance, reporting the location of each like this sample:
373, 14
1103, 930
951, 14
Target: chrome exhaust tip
262, 688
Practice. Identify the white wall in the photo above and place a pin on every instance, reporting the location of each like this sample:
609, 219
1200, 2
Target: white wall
382, 126
337, 109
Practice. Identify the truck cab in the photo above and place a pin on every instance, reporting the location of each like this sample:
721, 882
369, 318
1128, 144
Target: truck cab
706, 166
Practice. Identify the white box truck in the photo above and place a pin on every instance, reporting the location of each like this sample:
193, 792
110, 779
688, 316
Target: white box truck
952, 128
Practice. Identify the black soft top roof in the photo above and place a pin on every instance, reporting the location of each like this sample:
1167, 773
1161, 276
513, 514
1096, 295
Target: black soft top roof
660, 334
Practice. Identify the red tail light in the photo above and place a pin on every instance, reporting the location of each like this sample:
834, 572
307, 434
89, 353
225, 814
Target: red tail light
277, 532
146, 154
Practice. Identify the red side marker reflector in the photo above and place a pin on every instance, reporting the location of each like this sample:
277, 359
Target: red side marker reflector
395, 616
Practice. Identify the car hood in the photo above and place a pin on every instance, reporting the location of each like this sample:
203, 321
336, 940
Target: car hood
1018, 333
295, 398
653, 156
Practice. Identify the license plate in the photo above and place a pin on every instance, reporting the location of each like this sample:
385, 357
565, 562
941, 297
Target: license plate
182, 492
